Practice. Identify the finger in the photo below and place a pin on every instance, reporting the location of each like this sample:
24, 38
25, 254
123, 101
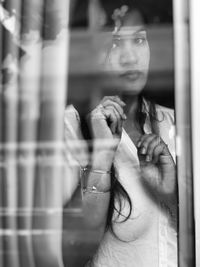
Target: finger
142, 139
109, 102
115, 99
161, 150
119, 109
120, 124
155, 141
144, 142
119, 119
112, 119
97, 113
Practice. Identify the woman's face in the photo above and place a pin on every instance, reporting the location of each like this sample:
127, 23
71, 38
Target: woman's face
129, 57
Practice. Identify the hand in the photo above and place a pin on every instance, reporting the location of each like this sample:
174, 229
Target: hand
107, 118
157, 166
106, 123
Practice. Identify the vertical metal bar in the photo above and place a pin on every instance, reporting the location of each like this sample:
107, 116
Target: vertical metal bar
195, 82
183, 127
11, 52
50, 162
1, 149
29, 105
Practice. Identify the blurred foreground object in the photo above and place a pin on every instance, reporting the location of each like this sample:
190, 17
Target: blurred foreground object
32, 151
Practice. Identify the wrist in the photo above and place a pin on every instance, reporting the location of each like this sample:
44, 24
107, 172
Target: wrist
90, 169
102, 161
96, 179
103, 168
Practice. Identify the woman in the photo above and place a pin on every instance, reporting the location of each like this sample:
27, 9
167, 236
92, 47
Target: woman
129, 186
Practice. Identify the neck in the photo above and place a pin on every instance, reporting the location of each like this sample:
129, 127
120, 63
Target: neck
131, 124
131, 106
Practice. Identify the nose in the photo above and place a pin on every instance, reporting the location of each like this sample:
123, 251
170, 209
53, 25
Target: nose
128, 56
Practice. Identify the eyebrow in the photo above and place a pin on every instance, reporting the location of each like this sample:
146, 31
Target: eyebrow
129, 32
142, 28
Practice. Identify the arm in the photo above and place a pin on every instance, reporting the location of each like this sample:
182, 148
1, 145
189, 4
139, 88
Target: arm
158, 169
106, 125
96, 203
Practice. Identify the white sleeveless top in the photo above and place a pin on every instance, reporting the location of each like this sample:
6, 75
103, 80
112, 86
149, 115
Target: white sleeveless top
148, 238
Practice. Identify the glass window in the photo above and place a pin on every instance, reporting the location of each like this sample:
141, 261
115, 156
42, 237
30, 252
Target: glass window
98, 133
121, 91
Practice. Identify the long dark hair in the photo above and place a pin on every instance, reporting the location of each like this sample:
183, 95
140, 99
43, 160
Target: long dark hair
118, 193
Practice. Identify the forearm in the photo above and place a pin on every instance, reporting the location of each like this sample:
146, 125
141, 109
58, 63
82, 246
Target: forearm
171, 204
96, 195
96, 209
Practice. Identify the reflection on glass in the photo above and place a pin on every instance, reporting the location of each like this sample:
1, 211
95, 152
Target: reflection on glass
124, 147
33, 39
106, 195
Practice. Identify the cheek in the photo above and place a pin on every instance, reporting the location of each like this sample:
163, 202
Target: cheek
144, 55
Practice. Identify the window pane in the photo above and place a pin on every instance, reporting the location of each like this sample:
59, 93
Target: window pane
123, 50
97, 100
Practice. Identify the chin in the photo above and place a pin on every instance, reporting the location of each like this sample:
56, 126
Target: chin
134, 88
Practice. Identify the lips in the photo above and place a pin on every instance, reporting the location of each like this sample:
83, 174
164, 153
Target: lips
131, 75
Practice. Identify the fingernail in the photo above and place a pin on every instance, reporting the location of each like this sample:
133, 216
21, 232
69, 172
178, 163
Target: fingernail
143, 151
148, 158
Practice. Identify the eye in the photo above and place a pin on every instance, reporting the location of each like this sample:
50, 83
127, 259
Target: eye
139, 40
